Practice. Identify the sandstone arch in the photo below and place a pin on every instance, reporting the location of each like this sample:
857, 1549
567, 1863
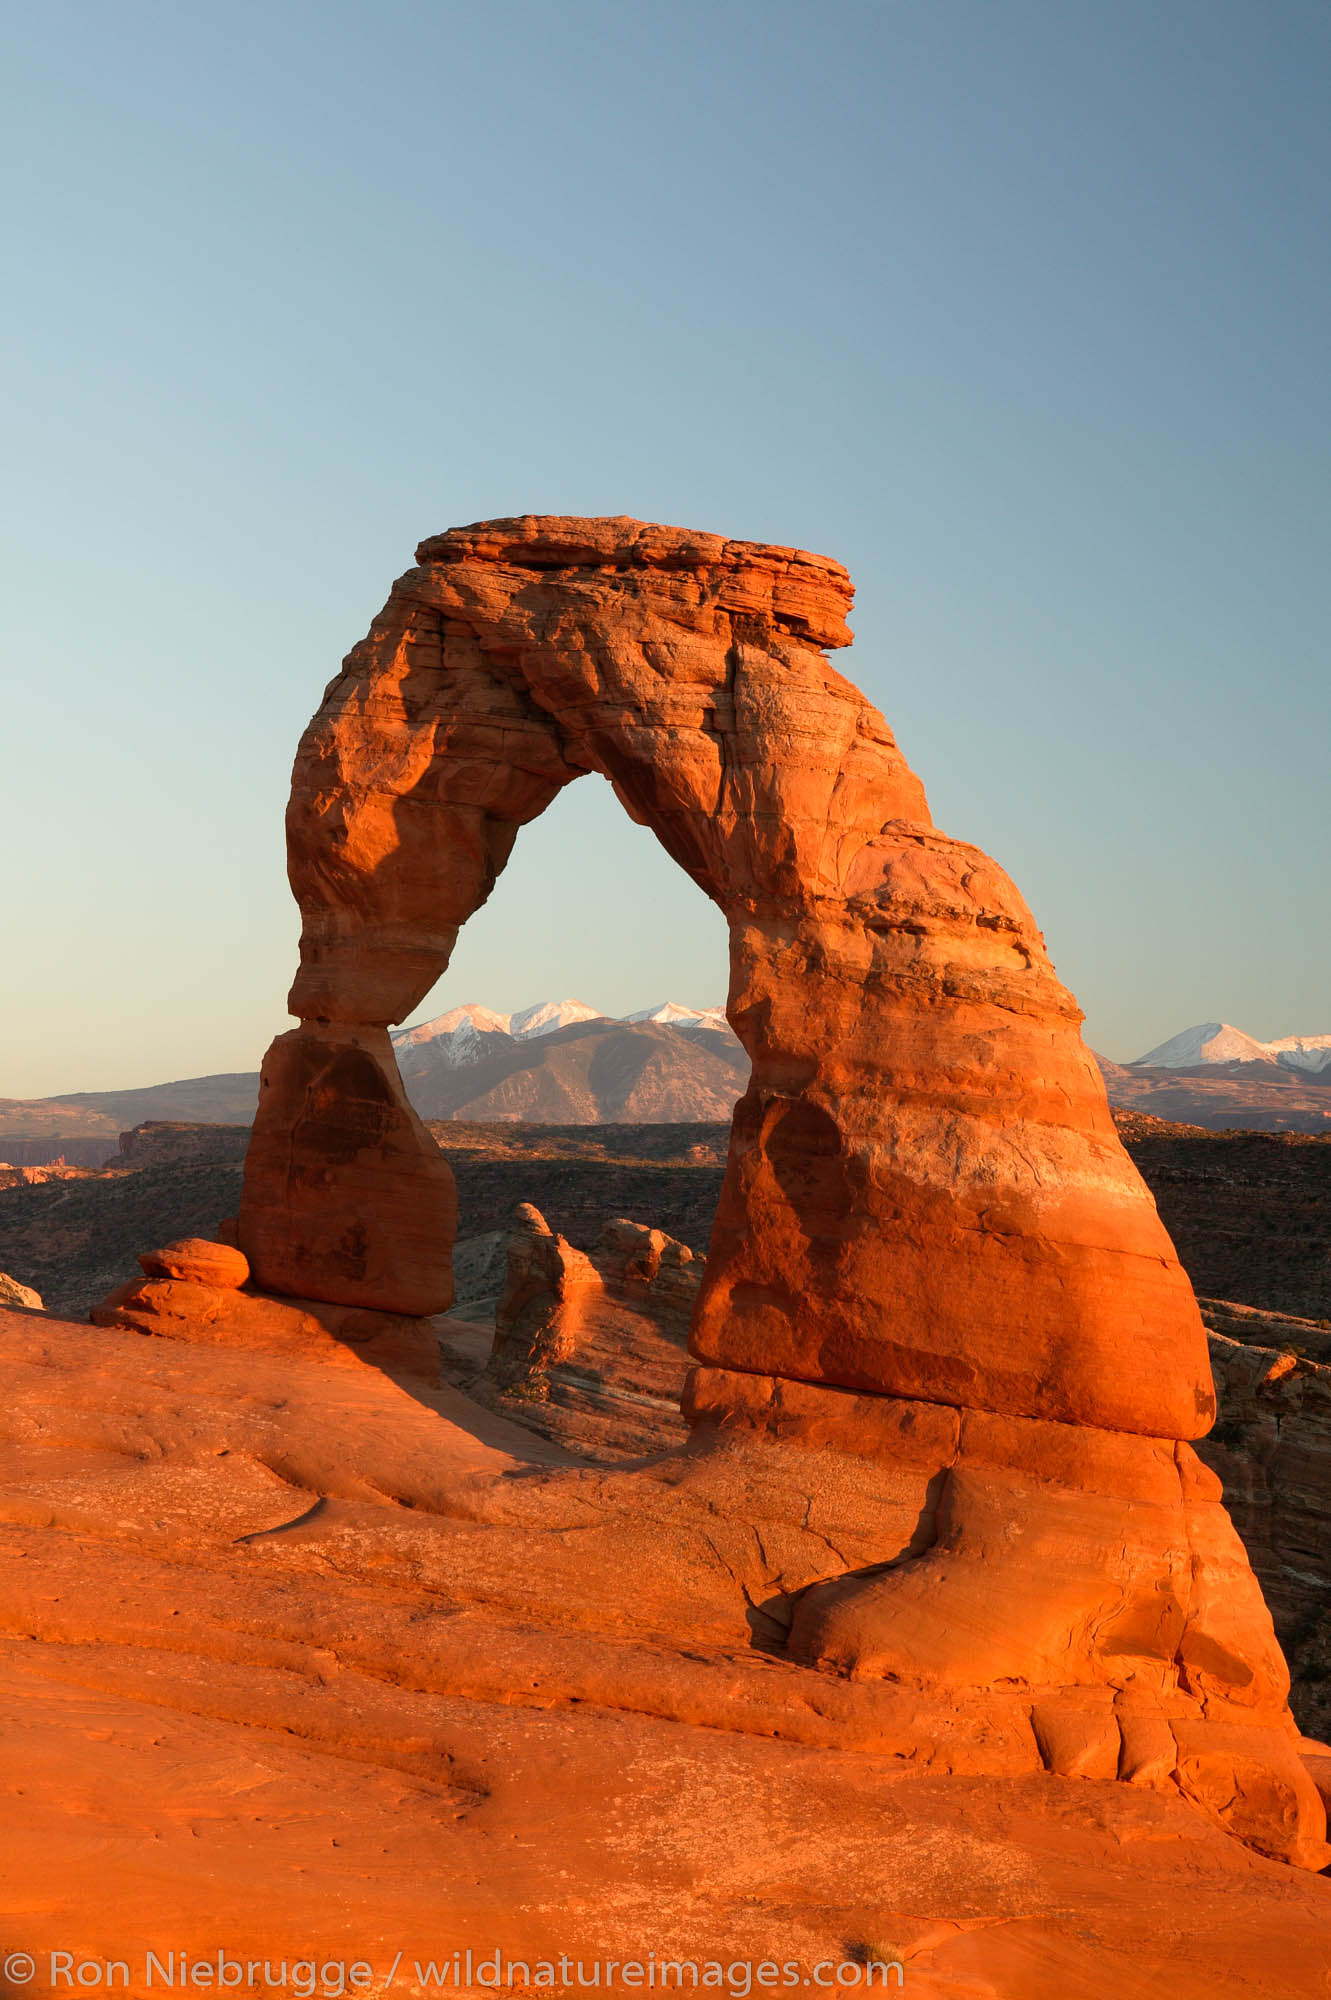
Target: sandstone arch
925, 1194
932, 1260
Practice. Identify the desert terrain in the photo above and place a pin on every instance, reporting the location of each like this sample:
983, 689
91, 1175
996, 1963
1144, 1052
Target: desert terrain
594, 1555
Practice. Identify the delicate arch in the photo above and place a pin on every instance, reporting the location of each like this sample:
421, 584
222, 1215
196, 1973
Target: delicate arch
925, 1196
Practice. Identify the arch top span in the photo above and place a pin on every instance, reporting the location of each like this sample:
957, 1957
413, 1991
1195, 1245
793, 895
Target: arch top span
688, 669
925, 1194
805, 595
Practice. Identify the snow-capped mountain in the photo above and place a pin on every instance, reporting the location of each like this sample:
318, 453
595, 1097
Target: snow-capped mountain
1218, 1042
562, 1062
462, 1029
547, 1017
673, 1015
462, 1034
459, 1035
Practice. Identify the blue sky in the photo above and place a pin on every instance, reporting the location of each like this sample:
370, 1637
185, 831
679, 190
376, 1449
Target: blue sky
1018, 309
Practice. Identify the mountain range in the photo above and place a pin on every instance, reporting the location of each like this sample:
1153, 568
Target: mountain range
1213, 1043
1218, 1076
559, 1062
562, 1062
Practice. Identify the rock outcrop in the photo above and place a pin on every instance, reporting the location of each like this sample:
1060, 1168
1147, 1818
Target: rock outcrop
597, 1340
197, 1291
1271, 1445
932, 1256
170, 1142
12, 1294
195, 1260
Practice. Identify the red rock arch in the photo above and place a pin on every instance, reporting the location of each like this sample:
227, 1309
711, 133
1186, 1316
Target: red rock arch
925, 1195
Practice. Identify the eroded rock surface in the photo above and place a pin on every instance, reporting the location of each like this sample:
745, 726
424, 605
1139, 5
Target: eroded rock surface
1271, 1446
346, 1196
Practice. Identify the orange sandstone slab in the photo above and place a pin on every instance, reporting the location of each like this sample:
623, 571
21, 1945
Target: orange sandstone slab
242, 1722
198, 1262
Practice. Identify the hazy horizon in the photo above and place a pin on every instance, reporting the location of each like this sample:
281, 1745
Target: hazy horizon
1018, 312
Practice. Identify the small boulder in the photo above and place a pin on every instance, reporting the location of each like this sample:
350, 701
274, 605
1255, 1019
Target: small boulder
12, 1293
194, 1261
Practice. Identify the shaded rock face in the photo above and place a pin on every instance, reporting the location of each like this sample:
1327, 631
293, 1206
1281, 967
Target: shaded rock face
925, 1195
931, 1253
346, 1197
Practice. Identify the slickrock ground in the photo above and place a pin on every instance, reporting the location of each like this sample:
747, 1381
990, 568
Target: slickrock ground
302, 1655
